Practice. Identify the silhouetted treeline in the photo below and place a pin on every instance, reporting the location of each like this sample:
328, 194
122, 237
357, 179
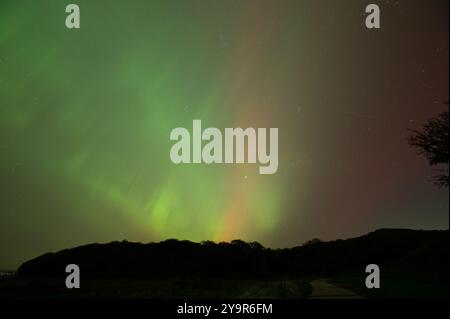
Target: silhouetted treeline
389, 248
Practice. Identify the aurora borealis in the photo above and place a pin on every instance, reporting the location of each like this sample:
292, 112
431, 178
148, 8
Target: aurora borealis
85, 119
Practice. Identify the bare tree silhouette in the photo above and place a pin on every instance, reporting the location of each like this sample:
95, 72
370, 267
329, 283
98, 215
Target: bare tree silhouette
432, 142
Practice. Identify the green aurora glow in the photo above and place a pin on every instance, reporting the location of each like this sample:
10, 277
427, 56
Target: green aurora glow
85, 118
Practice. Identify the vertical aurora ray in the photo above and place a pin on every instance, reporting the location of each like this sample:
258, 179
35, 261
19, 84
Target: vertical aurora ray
128, 93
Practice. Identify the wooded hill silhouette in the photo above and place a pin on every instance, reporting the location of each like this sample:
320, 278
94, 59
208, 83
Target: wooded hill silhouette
391, 249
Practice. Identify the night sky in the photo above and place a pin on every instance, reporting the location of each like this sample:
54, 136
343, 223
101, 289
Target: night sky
85, 119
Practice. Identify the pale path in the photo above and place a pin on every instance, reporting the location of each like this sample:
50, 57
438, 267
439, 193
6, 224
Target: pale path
322, 289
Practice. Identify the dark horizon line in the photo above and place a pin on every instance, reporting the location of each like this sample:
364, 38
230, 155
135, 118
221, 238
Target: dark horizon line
229, 242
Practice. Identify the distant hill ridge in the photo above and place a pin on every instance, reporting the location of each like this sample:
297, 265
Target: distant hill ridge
392, 248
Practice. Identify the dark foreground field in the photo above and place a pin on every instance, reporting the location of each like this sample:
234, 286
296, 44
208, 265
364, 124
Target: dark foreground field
176, 288
215, 288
